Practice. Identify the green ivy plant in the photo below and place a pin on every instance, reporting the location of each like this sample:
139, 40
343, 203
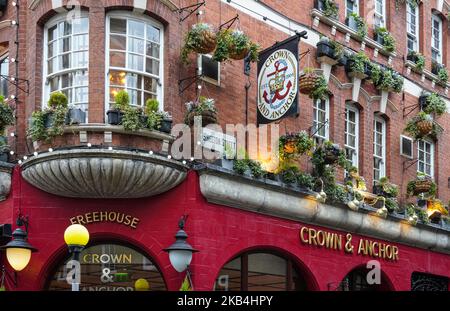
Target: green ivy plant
241, 166
413, 130
289, 175
435, 105
318, 157
338, 49
375, 73
361, 25
305, 180
419, 61
388, 39
330, 9
320, 90
234, 42
389, 189
358, 62
6, 115
390, 81
442, 76
391, 205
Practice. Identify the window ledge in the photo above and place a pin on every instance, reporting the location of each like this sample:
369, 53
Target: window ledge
220, 186
426, 74
318, 16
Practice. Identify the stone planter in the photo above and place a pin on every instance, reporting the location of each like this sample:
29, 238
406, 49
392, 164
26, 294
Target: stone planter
166, 126
5, 179
114, 117
75, 116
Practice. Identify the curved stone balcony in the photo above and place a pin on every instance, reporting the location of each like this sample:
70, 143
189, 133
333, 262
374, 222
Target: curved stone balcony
103, 173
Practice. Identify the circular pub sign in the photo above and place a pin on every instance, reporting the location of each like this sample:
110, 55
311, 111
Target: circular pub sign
278, 84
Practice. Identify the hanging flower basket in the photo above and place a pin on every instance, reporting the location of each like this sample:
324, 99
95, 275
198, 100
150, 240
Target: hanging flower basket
307, 83
424, 127
422, 186
200, 39
208, 117
234, 54
204, 108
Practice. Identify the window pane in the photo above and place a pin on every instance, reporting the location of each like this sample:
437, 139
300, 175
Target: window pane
118, 42
153, 49
80, 25
66, 80
134, 81
80, 59
64, 45
80, 42
81, 94
136, 62
266, 272
117, 78
64, 61
152, 66
136, 45
150, 85
113, 92
117, 59
135, 97
118, 26
136, 29
152, 34
51, 50
229, 278
52, 33
65, 29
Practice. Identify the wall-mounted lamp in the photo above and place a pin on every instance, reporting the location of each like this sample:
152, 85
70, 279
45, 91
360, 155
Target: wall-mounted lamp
180, 252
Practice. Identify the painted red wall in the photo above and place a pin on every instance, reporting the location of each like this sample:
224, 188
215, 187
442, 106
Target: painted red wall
219, 232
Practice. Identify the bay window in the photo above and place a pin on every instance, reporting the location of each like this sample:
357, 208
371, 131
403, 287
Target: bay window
66, 56
134, 58
436, 39
352, 134
380, 13
425, 156
320, 123
412, 26
379, 148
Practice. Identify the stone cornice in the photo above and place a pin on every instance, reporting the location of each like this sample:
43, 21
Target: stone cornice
268, 197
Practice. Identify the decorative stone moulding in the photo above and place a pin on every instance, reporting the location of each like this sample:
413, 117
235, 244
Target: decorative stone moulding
270, 198
5, 179
101, 173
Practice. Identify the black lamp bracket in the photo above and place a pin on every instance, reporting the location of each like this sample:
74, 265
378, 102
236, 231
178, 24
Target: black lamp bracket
21, 84
22, 221
190, 9
182, 221
319, 128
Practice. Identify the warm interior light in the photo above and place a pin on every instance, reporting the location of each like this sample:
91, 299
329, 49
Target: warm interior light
18, 258
76, 235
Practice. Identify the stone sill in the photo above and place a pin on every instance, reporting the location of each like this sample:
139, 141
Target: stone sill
426, 74
318, 15
220, 186
101, 127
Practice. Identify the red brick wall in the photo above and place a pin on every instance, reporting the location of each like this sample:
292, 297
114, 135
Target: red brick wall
230, 95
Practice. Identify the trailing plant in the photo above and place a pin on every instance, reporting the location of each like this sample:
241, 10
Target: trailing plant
421, 214
37, 130
200, 36
443, 75
203, 104
6, 115
235, 45
435, 104
305, 180
375, 73
328, 148
224, 41
335, 193
336, 46
361, 25
243, 165
388, 188
390, 81
358, 62
292, 145
240, 166
419, 60
388, 39
320, 90
256, 169
330, 8
391, 205
289, 175
413, 127
131, 120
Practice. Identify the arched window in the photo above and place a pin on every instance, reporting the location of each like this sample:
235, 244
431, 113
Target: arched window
66, 58
379, 148
110, 267
352, 134
134, 57
260, 271
412, 26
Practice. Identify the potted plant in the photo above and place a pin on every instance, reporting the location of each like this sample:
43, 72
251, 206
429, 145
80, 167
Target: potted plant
385, 188
6, 119
166, 123
200, 39
382, 36
330, 154
329, 49
152, 118
329, 8
418, 59
292, 145
121, 104
432, 104
422, 126
414, 214
442, 76
423, 184
320, 90
235, 45
75, 116
357, 65
132, 119
204, 108
357, 23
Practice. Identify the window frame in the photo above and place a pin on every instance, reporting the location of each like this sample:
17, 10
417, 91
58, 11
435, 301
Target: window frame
409, 35
353, 108
355, 7
142, 19
432, 155
200, 70
439, 50
4, 60
383, 157
382, 15
318, 137
46, 77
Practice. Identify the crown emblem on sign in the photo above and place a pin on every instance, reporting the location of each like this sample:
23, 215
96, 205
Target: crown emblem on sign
277, 82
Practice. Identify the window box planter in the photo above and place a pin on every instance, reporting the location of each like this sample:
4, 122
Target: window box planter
435, 67
320, 5
75, 116
114, 117
166, 126
324, 49
412, 57
343, 60
359, 75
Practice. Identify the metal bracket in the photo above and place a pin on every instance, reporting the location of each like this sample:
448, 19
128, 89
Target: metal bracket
413, 161
409, 109
16, 82
191, 9
319, 128
194, 80
229, 23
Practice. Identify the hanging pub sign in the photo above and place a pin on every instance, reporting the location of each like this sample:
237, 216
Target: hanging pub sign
278, 75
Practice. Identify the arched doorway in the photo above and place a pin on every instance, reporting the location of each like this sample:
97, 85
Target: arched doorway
110, 267
357, 280
261, 271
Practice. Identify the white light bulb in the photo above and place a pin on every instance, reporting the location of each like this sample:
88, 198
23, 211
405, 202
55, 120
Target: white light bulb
13, 60
150, 152
200, 12
169, 157
25, 157
12, 134
184, 162
192, 159
35, 154
13, 96
50, 150
11, 152
20, 162
89, 145
110, 148
13, 79
199, 87
199, 143
14, 3
14, 22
